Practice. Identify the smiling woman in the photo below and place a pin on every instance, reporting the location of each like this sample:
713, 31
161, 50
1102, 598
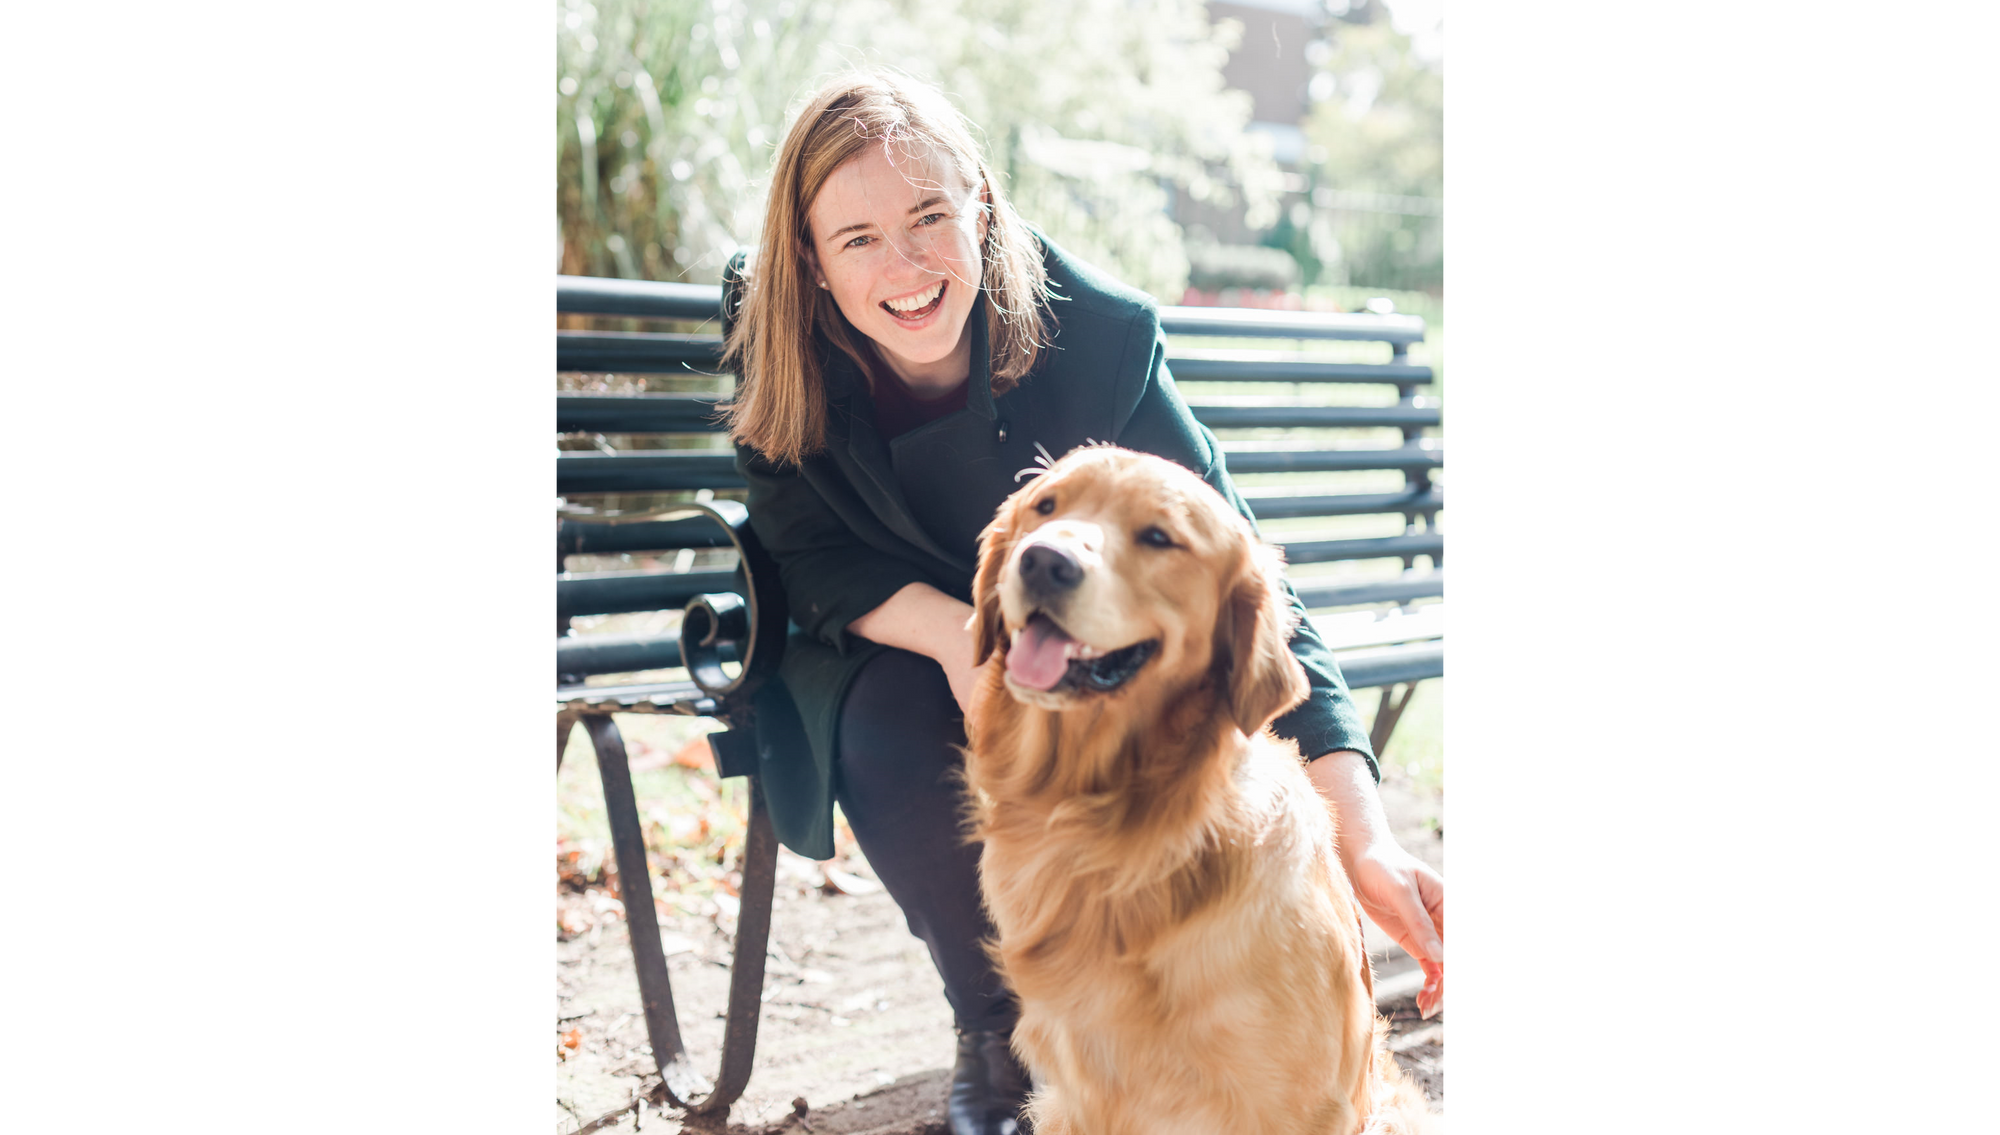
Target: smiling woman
900, 362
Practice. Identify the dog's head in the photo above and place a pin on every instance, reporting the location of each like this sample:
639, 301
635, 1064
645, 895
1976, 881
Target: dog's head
1116, 572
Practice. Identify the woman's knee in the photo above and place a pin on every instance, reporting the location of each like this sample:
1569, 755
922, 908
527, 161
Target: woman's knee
899, 725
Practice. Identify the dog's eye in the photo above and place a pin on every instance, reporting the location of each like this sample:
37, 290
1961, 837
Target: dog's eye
1046, 505
1155, 537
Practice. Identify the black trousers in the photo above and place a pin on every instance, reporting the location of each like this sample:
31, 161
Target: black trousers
898, 778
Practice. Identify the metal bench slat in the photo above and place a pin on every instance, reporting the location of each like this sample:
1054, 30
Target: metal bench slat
573, 537
1291, 324
1313, 417
623, 654
1349, 504
1379, 547
649, 299
1391, 665
580, 471
615, 592
637, 413
638, 352
1401, 589
1242, 461
646, 299
1270, 366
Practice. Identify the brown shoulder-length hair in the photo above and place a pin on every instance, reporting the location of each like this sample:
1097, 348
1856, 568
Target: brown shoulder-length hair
780, 404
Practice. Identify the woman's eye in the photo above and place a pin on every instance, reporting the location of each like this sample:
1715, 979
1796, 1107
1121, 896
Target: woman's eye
857, 242
1154, 537
931, 218
1046, 505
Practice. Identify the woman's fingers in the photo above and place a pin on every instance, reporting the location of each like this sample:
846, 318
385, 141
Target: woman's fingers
1430, 999
1407, 906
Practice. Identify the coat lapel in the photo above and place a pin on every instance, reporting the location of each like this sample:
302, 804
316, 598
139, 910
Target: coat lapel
868, 458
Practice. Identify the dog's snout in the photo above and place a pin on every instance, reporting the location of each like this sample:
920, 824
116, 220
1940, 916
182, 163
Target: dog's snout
1047, 568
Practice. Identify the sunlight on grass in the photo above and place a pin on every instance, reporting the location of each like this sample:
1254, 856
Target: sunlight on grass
1417, 746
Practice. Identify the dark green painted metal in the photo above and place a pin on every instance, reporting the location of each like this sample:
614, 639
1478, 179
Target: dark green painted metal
656, 300
646, 299
637, 413
1243, 461
1412, 663
573, 537
1220, 366
1348, 504
610, 593
1313, 417
581, 471
638, 352
1381, 547
623, 654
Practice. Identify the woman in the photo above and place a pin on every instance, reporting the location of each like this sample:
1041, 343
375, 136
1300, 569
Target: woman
906, 346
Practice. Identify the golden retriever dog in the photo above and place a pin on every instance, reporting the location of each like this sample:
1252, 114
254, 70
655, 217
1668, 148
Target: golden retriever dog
1171, 911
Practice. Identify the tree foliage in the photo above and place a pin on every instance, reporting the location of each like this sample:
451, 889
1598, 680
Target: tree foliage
1092, 110
1377, 141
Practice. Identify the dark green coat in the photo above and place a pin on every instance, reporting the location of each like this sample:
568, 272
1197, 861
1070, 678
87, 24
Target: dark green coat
861, 520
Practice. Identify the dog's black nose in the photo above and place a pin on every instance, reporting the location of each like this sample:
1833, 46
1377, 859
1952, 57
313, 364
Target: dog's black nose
1045, 567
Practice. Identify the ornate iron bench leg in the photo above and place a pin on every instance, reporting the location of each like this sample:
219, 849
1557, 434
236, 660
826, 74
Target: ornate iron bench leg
685, 1086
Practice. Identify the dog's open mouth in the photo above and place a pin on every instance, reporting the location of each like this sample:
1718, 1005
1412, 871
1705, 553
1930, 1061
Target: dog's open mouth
1044, 657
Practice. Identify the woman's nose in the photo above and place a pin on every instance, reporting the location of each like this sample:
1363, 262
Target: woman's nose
909, 255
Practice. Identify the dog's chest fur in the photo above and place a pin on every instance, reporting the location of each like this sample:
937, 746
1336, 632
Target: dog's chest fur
1189, 958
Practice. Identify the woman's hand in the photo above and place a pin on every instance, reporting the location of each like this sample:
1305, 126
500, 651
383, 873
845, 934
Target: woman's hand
922, 619
1398, 891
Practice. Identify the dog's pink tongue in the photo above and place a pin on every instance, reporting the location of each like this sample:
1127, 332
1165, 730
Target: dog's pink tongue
1036, 658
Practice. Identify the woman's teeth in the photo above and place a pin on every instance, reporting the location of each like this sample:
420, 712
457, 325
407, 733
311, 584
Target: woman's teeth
916, 302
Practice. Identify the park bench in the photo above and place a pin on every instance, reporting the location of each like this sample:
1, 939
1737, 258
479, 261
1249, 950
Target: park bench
656, 480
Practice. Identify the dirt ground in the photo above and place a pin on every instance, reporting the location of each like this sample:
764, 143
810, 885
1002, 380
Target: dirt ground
855, 1035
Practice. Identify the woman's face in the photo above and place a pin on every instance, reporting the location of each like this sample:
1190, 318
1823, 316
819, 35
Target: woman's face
896, 238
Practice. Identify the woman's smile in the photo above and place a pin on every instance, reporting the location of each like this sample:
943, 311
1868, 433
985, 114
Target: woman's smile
918, 305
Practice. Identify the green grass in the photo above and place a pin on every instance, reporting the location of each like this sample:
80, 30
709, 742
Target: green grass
1417, 746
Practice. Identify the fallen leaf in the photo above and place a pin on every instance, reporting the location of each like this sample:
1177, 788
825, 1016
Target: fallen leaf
696, 754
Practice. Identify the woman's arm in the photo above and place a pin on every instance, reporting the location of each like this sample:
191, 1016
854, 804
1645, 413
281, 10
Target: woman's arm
926, 621
1398, 890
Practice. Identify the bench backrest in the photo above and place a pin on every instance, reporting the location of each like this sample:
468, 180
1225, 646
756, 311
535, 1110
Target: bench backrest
1270, 407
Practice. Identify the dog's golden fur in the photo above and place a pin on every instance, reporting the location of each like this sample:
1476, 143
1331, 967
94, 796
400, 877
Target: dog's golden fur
1171, 912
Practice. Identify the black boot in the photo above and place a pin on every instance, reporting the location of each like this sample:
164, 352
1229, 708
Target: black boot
988, 1086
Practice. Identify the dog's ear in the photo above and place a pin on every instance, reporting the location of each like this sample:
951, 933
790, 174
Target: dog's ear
1260, 676
994, 545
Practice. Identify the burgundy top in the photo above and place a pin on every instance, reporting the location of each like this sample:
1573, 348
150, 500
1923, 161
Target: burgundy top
898, 411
